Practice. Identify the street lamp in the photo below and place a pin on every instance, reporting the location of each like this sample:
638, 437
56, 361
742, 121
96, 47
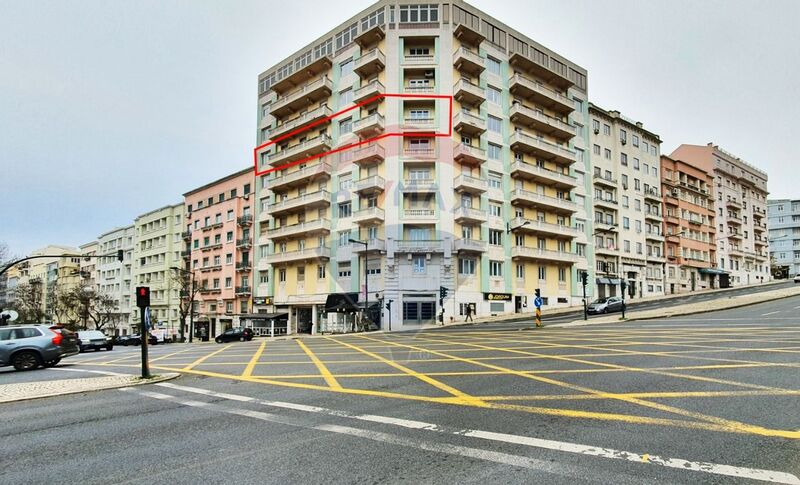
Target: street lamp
366, 272
191, 302
509, 228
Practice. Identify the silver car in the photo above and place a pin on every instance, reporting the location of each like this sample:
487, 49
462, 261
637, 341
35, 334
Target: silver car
27, 347
605, 305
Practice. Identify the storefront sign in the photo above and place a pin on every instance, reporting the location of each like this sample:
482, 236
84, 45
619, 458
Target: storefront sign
262, 300
497, 296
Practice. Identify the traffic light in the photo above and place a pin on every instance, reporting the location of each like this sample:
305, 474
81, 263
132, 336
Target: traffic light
143, 296
442, 292
537, 293
120, 255
441, 317
584, 278
623, 285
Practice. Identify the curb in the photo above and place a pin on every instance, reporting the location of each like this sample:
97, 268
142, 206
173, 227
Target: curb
133, 381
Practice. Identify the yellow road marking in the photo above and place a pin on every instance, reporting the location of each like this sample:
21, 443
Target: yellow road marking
248, 371
326, 374
645, 395
205, 357
424, 378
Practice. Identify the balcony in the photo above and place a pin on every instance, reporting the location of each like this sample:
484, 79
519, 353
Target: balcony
522, 252
371, 125
469, 124
372, 245
186, 253
469, 93
211, 247
320, 198
244, 266
653, 215
419, 124
370, 63
606, 250
419, 89
467, 215
364, 156
304, 228
300, 76
735, 235
369, 91
186, 235
467, 61
527, 89
243, 291
210, 268
419, 214
469, 34
519, 60
469, 184
306, 254
314, 146
653, 236
734, 219
371, 184
314, 115
244, 243
245, 220
657, 258
606, 181
522, 115
206, 290
760, 241
696, 222
370, 36
419, 60
211, 227
652, 194
606, 203
303, 176
733, 204
368, 215
298, 99
523, 142
542, 175
470, 246
468, 154
419, 185
522, 224
526, 197
419, 246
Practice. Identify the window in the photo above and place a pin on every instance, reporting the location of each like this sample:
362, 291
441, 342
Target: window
493, 95
344, 37
626, 223
606, 129
418, 265
229, 236
344, 270
493, 66
542, 272
636, 164
596, 149
495, 237
347, 68
495, 210
345, 209
228, 282
419, 13
607, 154
494, 151
346, 126
596, 126
494, 124
623, 159
466, 266
229, 258
562, 275
635, 139
496, 269
495, 179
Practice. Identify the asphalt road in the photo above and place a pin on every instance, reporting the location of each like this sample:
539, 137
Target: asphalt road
711, 398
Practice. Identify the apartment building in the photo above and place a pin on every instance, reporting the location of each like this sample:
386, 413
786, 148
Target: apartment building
784, 236
628, 240
88, 264
63, 274
219, 240
41, 274
690, 229
115, 278
157, 248
491, 214
741, 203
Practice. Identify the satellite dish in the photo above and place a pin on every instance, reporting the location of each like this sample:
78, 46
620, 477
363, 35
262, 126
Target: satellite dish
9, 315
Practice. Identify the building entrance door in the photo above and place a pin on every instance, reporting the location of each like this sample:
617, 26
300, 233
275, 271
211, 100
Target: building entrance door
419, 312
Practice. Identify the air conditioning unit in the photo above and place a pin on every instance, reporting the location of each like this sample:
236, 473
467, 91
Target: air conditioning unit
429, 73
596, 131
675, 192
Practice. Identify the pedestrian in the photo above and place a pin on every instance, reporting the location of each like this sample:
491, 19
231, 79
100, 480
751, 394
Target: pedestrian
469, 314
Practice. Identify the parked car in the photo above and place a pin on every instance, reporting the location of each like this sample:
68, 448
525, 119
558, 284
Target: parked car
93, 339
605, 305
137, 340
797, 278
27, 347
233, 334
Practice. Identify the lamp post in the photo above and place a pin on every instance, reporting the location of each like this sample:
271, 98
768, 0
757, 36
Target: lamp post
509, 228
191, 302
366, 272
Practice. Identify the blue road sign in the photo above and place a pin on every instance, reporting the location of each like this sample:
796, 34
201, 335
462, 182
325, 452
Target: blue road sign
147, 324
537, 302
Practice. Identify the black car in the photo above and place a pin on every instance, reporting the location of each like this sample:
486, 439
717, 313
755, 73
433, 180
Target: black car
93, 339
233, 334
136, 340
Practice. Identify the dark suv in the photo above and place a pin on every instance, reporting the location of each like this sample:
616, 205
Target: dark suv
240, 334
27, 347
93, 339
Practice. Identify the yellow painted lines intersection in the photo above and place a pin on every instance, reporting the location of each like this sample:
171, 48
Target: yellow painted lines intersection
645, 376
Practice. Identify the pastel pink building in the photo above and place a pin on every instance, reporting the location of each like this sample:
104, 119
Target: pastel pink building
219, 242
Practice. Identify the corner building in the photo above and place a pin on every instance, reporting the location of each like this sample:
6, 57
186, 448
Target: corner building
492, 213
784, 236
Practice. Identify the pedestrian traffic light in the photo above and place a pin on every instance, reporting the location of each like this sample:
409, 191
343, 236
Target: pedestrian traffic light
143, 296
584, 278
120, 255
442, 292
537, 293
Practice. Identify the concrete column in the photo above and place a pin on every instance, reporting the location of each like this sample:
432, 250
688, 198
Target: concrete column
314, 319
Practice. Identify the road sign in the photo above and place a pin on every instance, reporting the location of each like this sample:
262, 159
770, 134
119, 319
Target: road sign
537, 302
147, 322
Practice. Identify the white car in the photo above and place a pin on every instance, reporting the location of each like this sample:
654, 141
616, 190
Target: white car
797, 278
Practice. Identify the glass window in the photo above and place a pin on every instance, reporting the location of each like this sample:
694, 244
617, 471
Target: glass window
493, 95
496, 268
418, 264
494, 151
493, 66
494, 124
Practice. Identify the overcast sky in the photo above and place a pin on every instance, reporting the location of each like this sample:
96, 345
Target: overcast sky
109, 109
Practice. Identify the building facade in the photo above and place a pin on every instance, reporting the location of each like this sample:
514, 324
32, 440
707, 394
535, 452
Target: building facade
219, 240
88, 264
741, 203
491, 212
628, 239
784, 229
690, 228
115, 278
157, 248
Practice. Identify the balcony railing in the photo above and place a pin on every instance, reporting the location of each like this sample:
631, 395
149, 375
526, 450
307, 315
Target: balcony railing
244, 266
369, 91
368, 214
370, 63
532, 89
320, 142
468, 92
523, 224
301, 92
371, 123
419, 185
606, 180
536, 198
322, 197
468, 153
371, 182
367, 154
419, 59
543, 254
299, 228
522, 113
313, 115
522, 168
464, 58
372, 245
243, 290
245, 220
302, 254
419, 213
470, 183
542, 147
469, 123
244, 243
476, 245
412, 123
469, 213
301, 174
419, 246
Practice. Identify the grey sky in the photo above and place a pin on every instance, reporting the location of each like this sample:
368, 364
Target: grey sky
109, 109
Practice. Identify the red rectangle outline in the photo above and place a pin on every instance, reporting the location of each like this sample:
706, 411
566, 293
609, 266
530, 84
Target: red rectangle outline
359, 143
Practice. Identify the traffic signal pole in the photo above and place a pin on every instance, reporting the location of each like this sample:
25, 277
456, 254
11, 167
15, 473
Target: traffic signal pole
143, 302
538, 302
584, 282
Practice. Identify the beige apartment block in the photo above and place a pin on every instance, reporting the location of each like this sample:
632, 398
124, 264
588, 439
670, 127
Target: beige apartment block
115, 278
491, 213
741, 203
628, 215
157, 247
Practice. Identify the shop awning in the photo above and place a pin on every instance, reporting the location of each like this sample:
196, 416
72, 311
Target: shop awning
342, 302
264, 316
712, 271
608, 281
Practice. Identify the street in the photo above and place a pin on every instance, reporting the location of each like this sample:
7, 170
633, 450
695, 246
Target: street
706, 398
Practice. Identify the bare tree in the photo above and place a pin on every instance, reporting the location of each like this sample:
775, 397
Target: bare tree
188, 292
89, 306
28, 302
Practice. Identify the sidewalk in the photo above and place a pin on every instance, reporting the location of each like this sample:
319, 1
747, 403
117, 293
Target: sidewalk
61, 387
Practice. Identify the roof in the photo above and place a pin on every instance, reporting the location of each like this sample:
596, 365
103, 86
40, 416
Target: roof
223, 179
